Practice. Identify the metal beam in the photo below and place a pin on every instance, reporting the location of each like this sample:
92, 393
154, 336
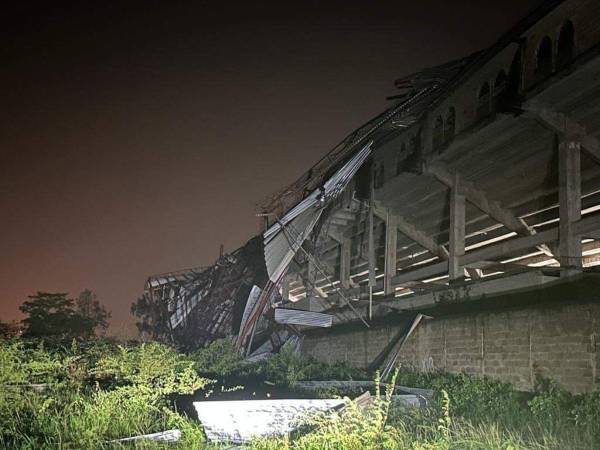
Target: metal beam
569, 194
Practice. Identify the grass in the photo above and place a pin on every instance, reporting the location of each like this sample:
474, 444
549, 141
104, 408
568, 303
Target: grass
84, 396
91, 396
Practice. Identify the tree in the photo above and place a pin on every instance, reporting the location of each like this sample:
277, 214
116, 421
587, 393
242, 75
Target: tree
88, 307
153, 317
9, 329
56, 316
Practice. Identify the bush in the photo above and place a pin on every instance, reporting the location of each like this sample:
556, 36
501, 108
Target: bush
153, 365
288, 367
551, 403
73, 411
472, 397
219, 358
354, 427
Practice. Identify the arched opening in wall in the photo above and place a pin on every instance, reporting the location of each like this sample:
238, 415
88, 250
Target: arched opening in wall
450, 126
565, 50
362, 186
412, 160
438, 133
417, 141
400, 157
513, 84
500, 91
414, 144
483, 101
543, 65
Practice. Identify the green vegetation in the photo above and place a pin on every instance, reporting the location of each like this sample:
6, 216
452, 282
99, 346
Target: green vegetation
467, 413
80, 396
76, 398
55, 316
285, 368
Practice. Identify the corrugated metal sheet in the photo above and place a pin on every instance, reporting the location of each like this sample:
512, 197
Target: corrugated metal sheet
204, 304
250, 303
282, 247
240, 421
284, 238
306, 318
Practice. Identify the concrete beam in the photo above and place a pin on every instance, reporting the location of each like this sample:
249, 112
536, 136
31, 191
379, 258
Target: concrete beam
582, 227
472, 291
482, 201
413, 233
566, 127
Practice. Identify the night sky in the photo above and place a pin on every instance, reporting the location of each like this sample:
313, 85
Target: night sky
136, 137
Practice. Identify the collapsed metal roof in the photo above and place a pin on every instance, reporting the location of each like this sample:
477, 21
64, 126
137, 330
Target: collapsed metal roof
207, 303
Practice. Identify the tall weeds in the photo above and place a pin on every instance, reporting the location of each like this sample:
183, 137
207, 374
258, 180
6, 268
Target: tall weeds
88, 398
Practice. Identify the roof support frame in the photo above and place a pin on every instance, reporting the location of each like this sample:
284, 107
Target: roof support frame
565, 126
481, 200
583, 227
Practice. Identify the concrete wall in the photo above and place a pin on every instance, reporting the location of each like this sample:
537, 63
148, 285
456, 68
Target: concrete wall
556, 341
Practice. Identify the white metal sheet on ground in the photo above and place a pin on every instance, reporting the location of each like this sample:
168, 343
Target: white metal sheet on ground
299, 317
163, 436
240, 421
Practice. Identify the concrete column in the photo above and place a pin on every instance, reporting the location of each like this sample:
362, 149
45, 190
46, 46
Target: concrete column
391, 247
311, 277
569, 180
285, 287
345, 263
371, 238
457, 230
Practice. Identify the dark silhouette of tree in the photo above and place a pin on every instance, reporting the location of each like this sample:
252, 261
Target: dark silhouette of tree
53, 315
88, 307
9, 329
153, 318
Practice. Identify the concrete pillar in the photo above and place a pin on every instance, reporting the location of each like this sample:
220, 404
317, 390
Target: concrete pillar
569, 180
345, 263
311, 277
457, 231
391, 247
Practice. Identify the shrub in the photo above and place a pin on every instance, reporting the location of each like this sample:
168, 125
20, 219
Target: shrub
154, 365
288, 367
219, 358
354, 427
472, 397
74, 412
551, 403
